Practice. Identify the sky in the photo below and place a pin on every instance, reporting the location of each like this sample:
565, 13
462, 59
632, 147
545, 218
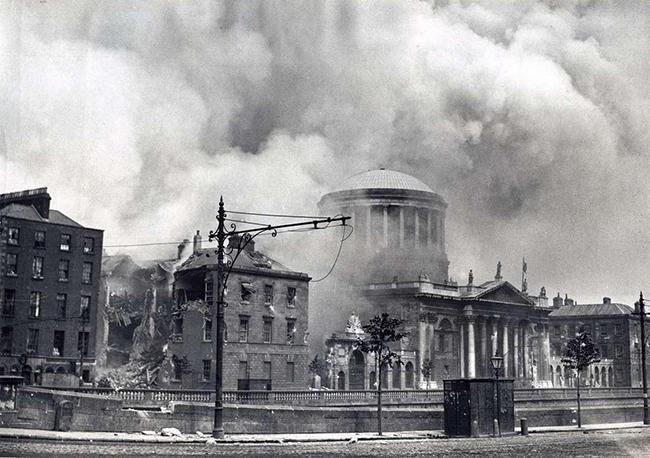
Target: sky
531, 118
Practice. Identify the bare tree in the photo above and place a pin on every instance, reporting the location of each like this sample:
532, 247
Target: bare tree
380, 332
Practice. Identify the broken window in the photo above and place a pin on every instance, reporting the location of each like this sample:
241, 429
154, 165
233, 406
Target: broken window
32, 341
59, 343
268, 294
87, 272
12, 264
83, 343
61, 305
291, 296
243, 329
35, 304
84, 309
207, 369
37, 268
64, 269
207, 327
6, 340
291, 332
9, 303
89, 245
267, 330
14, 236
247, 291
65, 242
39, 239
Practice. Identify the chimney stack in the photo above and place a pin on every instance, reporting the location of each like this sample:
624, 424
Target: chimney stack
557, 301
567, 300
39, 198
197, 242
181, 248
607, 300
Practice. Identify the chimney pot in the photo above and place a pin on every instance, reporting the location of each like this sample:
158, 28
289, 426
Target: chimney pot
197, 242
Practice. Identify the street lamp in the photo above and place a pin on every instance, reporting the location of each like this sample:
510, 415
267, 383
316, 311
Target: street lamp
497, 363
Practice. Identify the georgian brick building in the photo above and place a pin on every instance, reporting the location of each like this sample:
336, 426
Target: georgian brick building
615, 331
49, 280
266, 324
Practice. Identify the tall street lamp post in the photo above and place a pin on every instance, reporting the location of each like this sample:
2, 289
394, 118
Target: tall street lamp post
224, 268
497, 363
641, 313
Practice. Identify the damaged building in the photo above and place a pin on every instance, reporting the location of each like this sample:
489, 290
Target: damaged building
265, 324
396, 262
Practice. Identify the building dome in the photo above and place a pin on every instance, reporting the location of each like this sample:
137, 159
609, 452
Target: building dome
382, 179
399, 226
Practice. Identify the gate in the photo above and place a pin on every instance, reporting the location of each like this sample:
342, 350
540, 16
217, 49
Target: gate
357, 371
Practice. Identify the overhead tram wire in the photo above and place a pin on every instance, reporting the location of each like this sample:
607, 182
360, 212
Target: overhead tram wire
274, 215
336, 260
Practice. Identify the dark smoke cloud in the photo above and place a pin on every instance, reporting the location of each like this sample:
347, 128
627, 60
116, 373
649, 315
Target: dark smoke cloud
530, 117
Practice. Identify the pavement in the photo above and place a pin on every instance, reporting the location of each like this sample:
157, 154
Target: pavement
153, 437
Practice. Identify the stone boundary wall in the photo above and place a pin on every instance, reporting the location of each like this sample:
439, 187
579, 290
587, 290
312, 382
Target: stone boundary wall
37, 409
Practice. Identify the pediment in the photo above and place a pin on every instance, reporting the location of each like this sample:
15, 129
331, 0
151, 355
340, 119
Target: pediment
504, 292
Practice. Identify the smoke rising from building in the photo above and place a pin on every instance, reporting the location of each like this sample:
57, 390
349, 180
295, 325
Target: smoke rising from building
530, 118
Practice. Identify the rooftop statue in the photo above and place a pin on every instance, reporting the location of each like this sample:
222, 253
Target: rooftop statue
354, 324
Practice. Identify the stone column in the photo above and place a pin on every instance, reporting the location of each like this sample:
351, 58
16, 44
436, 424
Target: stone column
385, 225
515, 361
526, 350
423, 342
416, 215
506, 353
432, 340
471, 347
547, 351
442, 231
369, 226
401, 227
428, 227
461, 346
483, 365
439, 229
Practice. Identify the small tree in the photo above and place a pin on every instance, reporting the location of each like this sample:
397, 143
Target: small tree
579, 354
427, 370
380, 332
316, 367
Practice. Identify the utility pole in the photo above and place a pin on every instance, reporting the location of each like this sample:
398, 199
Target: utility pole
642, 315
223, 272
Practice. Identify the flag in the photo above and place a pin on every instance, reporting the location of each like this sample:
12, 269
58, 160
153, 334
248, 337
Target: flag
524, 267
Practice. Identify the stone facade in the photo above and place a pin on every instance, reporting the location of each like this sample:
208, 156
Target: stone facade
396, 262
266, 324
57, 269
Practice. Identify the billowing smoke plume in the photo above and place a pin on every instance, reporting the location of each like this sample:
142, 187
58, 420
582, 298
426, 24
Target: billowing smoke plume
530, 117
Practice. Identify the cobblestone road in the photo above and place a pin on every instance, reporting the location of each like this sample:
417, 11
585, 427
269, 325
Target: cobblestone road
621, 443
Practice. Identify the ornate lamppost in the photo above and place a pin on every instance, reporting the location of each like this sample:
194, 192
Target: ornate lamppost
224, 267
497, 363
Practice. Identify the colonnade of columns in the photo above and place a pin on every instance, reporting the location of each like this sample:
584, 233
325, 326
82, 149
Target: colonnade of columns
514, 341
416, 226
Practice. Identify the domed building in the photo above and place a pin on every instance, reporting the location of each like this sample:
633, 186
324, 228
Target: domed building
396, 262
399, 224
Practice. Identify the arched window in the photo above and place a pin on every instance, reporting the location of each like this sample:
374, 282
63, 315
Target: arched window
441, 342
15, 370
3, 369
409, 375
60, 370
340, 381
373, 380
596, 379
49, 370
397, 377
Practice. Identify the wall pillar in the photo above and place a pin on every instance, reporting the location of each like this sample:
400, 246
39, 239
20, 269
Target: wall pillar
547, 350
461, 346
483, 365
506, 352
401, 227
526, 350
385, 225
515, 361
416, 215
471, 347
429, 228
369, 226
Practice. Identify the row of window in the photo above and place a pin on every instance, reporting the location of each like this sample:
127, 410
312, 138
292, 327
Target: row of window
38, 272
244, 374
33, 337
604, 351
601, 330
36, 302
244, 329
247, 292
39, 240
